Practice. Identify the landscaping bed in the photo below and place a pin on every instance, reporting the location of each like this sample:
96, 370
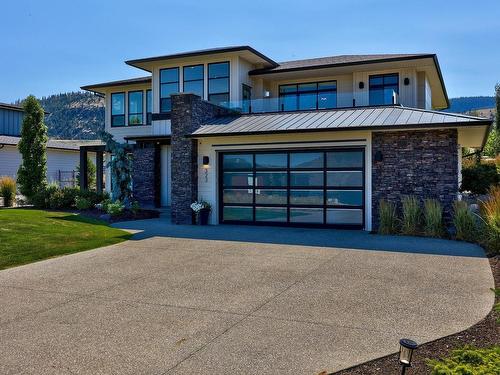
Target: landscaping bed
483, 334
126, 215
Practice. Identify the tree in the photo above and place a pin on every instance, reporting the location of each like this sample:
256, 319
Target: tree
32, 173
91, 174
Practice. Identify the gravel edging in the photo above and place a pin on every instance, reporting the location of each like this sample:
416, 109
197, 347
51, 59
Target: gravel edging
483, 334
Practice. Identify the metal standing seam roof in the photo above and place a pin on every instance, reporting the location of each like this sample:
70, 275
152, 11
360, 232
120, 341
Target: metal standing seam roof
387, 117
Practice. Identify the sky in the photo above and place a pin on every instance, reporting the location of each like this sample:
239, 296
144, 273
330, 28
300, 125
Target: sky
54, 46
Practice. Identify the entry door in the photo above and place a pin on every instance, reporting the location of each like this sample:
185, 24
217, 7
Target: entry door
295, 188
165, 176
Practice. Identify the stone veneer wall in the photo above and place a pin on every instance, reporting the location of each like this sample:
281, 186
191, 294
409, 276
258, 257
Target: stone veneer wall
145, 175
189, 112
423, 163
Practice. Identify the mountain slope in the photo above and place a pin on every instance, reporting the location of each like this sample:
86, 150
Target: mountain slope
469, 103
74, 115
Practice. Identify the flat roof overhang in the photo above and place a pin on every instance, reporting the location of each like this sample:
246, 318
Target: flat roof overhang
247, 52
97, 88
165, 139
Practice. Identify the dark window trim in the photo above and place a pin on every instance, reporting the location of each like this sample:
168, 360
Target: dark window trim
382, 86
297, 92
228, 80
184, 80
124, 109
168, 82
149, 115
324, 188
135, 113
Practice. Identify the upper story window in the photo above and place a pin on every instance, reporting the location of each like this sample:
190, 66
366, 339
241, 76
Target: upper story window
118, 109
149, 106
218, 82
169, 84
135, 108
193, 79
303, 96
384, 89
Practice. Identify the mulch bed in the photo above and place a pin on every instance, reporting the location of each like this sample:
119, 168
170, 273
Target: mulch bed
483, 334
124, 216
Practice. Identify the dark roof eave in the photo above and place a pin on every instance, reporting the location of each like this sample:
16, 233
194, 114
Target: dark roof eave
373, 128
334, 65
123, 82
201, 53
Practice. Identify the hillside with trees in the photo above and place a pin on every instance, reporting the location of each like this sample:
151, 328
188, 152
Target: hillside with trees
470, 103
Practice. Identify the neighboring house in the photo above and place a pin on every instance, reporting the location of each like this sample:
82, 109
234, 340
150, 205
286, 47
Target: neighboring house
63, 156
310, 142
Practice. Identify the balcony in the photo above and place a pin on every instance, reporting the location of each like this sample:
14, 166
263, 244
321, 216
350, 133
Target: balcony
305, 102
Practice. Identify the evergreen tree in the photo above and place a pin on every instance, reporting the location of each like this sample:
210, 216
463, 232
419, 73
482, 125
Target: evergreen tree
32, 174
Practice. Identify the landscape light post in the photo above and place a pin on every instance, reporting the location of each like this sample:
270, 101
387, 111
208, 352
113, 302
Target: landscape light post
406, 348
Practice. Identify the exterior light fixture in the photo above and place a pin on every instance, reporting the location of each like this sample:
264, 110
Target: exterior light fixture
406, 348
267, 94
361, 85
378, 156
406, 81
206, 161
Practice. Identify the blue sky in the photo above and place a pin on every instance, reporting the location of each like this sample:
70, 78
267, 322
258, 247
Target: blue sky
55, 46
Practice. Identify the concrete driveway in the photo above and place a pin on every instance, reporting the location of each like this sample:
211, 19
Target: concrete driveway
236, 300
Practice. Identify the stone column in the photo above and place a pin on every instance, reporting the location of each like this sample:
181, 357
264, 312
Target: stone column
143, 174
189, 112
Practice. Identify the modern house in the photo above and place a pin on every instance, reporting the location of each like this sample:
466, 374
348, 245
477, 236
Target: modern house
63, 156
314, 142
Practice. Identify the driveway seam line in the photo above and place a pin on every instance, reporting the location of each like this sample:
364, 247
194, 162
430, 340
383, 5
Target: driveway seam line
302, 278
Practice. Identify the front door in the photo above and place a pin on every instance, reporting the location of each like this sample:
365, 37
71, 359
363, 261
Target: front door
165, 176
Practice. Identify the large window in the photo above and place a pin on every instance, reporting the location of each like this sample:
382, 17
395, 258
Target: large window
303, 96
169, 84
193, 79
118, 109
384, 88
218, 82
320, 187
135, 108
149, 106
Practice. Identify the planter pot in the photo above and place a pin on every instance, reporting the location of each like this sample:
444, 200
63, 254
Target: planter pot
203, 217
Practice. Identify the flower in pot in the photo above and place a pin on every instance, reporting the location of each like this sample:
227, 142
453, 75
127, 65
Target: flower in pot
202, 210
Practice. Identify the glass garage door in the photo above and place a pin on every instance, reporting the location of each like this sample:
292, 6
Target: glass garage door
300, 188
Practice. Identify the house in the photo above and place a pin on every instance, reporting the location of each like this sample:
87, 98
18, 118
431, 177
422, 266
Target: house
63, 156
315, 142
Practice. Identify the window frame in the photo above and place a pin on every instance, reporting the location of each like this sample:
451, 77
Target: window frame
124, 115
135, 113
382, 86
184, 80
228, 80
297, 93
167, 83
149, 115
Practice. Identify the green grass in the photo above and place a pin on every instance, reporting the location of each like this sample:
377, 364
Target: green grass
30, 235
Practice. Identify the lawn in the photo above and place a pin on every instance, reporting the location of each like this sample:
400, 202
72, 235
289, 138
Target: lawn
30, 235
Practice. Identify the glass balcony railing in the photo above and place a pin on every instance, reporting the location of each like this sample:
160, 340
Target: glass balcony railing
305, 102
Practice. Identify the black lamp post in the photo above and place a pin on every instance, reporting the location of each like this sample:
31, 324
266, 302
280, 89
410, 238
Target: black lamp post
406, 348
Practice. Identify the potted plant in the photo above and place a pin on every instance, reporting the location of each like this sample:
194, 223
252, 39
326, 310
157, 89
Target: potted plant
202, 211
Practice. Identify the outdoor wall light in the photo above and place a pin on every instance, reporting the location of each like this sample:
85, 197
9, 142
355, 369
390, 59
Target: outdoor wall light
361, 85
407, 81
378, 156
206, 162
406, 348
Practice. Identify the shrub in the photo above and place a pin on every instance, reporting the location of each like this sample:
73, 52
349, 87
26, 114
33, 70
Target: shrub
388, 217
468, 360
63, 198
115, 208
41, 199
135, 207
7, 190
465, 223
83, 203
433, 218
478, 177
490, 213
411, 215
93, 197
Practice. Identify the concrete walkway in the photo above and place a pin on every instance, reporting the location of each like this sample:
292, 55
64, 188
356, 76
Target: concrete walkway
236, 300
